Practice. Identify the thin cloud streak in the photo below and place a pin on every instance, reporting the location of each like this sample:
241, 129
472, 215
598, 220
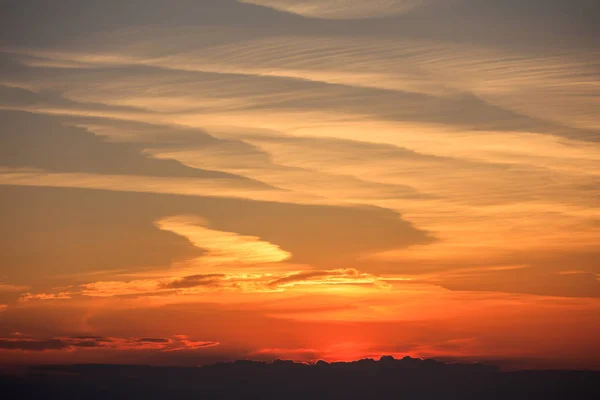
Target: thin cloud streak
344, 9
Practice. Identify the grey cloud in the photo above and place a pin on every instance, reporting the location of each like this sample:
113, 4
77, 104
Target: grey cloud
517, 23
194, 281
12, 97
30, 140
27, 343
39, 344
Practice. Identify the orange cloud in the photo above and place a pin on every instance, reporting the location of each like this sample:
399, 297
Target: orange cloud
223, 247
348, 276
4, 287
202, 283
45, 296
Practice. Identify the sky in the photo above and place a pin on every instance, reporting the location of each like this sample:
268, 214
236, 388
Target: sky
187, 182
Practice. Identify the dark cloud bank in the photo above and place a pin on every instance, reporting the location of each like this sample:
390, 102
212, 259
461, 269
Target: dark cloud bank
365, 379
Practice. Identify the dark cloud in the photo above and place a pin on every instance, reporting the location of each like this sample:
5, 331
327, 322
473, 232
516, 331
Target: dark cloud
194, 281
27, 343
62, 343
85, 343
152, 340
305, 276
94, 338
33, 345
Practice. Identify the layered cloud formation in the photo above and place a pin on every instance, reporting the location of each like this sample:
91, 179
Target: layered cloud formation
354, 166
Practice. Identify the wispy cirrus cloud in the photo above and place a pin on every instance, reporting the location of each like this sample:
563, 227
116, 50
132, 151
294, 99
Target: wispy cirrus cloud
5, 287
340, 9
223, 247
45, 296
348, 276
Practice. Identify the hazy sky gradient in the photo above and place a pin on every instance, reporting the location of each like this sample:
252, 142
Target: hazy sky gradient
195, 181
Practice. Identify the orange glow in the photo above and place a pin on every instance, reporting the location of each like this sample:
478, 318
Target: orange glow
324, 180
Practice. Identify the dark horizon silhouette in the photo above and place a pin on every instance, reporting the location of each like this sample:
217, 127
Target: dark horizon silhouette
386, 378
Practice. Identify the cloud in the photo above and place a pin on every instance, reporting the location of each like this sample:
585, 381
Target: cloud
409, 93
71, 343
32, 344
502, 86
251, 155
541, 280
95, 338
187, 344
45, 296
110, 234
117, 231
223, 247
137, 184
5, 287
348, 276
152, 340
340, 9
194, 281
300, 354
119, 288
40, 142
243, 282
166, 286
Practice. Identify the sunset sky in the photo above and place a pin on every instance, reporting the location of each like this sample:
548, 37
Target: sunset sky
184, 182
